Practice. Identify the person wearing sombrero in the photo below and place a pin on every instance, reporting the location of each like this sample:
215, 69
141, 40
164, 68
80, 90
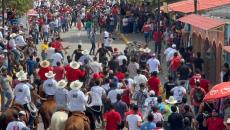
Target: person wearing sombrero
49, 85
22, 93
85, 56
61, 95
76, 98
74, 73
44, 68
19, 40
167, 107
13, 47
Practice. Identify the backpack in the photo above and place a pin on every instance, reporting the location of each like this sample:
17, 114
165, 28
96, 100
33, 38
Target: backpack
198, 95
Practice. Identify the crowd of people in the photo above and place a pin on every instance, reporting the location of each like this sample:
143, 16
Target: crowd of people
120, 90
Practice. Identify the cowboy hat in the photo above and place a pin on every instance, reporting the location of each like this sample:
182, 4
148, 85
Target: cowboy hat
21, 75
50, 74
147, 50
13, 35
61, 84
171, 100
75, 85
20, 32
1, 27
85, 52
74, 65
45, 64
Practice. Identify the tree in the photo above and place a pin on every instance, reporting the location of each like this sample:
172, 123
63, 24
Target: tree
20, 6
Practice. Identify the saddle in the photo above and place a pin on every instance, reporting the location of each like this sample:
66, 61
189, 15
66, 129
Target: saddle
81, 115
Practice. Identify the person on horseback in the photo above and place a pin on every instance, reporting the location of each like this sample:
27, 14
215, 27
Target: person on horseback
12, 45
61, 95
23, 95
76, 98
20, 41
49, 85
18, 122
44, 68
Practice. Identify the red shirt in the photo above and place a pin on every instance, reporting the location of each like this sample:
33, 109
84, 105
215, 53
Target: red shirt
204, 83
146, 28
57, 45
215, 123
126, 95
154, 83
59, 71
112, 118
193, 94
120, 75
175, 63
155, 37
74, 74
42, 71
192, 81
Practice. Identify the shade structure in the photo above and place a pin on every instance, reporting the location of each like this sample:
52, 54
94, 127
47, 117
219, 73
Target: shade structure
221, 90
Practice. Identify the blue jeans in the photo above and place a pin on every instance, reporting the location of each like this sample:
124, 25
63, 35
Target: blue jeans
146, 35
88, 32
196, 109
16, 54
9, 96
46, 36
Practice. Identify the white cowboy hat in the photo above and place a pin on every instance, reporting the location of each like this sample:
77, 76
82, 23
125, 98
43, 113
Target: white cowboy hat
13, 35
173, 45
85, 52
76, 85
21, 75
50, 74
22, 113
61, 84
45, 64
171, 100
74, 65
20, 32
142, 49
147, 50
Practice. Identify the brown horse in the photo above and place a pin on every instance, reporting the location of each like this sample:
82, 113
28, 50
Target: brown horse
46, 111
8, 116
78, 121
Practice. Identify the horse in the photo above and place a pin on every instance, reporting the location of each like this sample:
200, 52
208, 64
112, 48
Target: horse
8, 116
46, 111
58, 120
78, 121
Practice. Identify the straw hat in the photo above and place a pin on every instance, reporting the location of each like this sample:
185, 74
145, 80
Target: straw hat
173, 45
85, 52
13, 35
74, 65
20, 32
50, 74
45, 64
147, 50
21, 75
171, 100
75, 85
61, 84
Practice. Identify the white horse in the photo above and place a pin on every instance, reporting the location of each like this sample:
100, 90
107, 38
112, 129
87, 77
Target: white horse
58, 120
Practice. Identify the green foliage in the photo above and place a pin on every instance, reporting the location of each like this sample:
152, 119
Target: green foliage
21, 6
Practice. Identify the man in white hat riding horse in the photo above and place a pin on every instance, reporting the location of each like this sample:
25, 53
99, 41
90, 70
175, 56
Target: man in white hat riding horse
23, 95
49, 86
61, 95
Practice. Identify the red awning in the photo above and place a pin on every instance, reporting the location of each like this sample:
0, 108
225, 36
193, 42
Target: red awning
187, 6
201, 22
226, 48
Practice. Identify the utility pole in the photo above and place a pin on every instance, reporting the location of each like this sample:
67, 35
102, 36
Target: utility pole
195, 6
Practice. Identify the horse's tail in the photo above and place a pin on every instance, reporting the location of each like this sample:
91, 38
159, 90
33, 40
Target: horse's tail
2, 120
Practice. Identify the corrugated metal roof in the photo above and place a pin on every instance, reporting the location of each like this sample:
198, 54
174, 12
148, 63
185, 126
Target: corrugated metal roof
187, 6
201, 22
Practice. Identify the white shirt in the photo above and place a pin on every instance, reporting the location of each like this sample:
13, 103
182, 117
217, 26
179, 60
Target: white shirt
16, 125
157, 117
108, 42
171, 53
1, 36
140, 78
50, 52
22, 94
178, 93
132, 121
49, 86
77, 101
153, 64
46, 28
124, 21
166, 53
99, 92
12, 44
19, 41
106, 34
96, 67
149, 103
113, 94
56, 57
120, 59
